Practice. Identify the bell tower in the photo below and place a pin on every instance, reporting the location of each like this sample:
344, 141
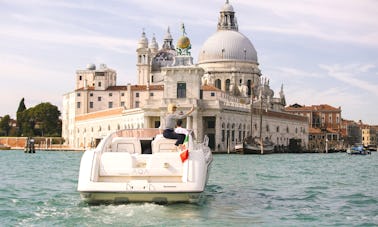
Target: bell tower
143, 61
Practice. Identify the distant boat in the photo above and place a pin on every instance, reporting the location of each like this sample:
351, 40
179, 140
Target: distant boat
371, 147
4, 147
255, 145
358, 150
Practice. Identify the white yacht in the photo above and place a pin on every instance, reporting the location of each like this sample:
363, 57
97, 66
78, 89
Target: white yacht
142, 166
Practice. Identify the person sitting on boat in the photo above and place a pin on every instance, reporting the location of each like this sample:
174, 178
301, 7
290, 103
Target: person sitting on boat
179, 129
170, 123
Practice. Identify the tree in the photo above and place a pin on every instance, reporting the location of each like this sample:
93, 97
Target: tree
40, 120
45, 119
21, 106
5, 125
20, 118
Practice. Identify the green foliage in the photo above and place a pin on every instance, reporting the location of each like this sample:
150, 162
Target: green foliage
20, 115
21, 106
5, 126
46, 117
41, 120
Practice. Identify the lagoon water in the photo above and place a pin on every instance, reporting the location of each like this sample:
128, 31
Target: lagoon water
271, 190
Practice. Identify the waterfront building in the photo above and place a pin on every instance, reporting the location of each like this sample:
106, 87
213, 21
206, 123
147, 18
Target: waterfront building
324, 125
350, 132
220, 86
369, 136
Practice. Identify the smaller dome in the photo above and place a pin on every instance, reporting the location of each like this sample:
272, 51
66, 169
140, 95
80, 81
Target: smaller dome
183, 42
227, 7
154, 44
91, 66
168, 35
143, 42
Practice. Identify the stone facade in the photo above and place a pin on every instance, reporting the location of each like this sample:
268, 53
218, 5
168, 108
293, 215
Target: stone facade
221, 87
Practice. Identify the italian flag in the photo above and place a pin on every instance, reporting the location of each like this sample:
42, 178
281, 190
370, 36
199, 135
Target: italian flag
185, 148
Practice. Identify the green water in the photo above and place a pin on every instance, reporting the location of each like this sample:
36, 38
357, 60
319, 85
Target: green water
272, 190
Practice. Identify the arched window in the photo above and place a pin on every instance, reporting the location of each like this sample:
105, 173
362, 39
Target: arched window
228, 82
218, 83
249, 87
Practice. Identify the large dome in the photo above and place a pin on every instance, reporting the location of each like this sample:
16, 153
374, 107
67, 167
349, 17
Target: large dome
227, 45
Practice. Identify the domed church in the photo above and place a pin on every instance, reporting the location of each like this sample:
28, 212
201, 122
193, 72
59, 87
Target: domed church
231, 97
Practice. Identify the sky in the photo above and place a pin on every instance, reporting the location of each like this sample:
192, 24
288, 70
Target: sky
322, 52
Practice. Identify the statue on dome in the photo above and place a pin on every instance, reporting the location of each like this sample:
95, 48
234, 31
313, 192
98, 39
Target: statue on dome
183, 43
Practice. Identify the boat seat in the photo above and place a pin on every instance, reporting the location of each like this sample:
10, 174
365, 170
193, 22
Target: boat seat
115, 164
126, 144
124, 164
161, 144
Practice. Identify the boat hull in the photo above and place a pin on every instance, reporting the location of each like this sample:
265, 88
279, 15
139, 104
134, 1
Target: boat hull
358, 150
253, 149
135, 197
257, 150
252, 145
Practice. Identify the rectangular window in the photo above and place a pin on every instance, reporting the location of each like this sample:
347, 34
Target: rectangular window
110, 94
137, 94
122, 103
137, 104
99, 84
99, 98
110, 105
78, 94
91, 105
151, 94
181, 90
212, 94
122, 94
91, 94
211, 124
80, 77
78, 105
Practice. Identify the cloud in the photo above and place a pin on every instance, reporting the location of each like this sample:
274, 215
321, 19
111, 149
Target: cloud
338, 21
352, 75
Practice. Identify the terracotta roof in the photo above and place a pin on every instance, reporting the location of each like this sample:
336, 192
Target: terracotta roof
321, 107
319, 131
91, 88
209, 88
282, 115
314, 131
116, 88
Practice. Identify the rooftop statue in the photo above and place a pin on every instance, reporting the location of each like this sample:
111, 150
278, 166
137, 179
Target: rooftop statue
183, 43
